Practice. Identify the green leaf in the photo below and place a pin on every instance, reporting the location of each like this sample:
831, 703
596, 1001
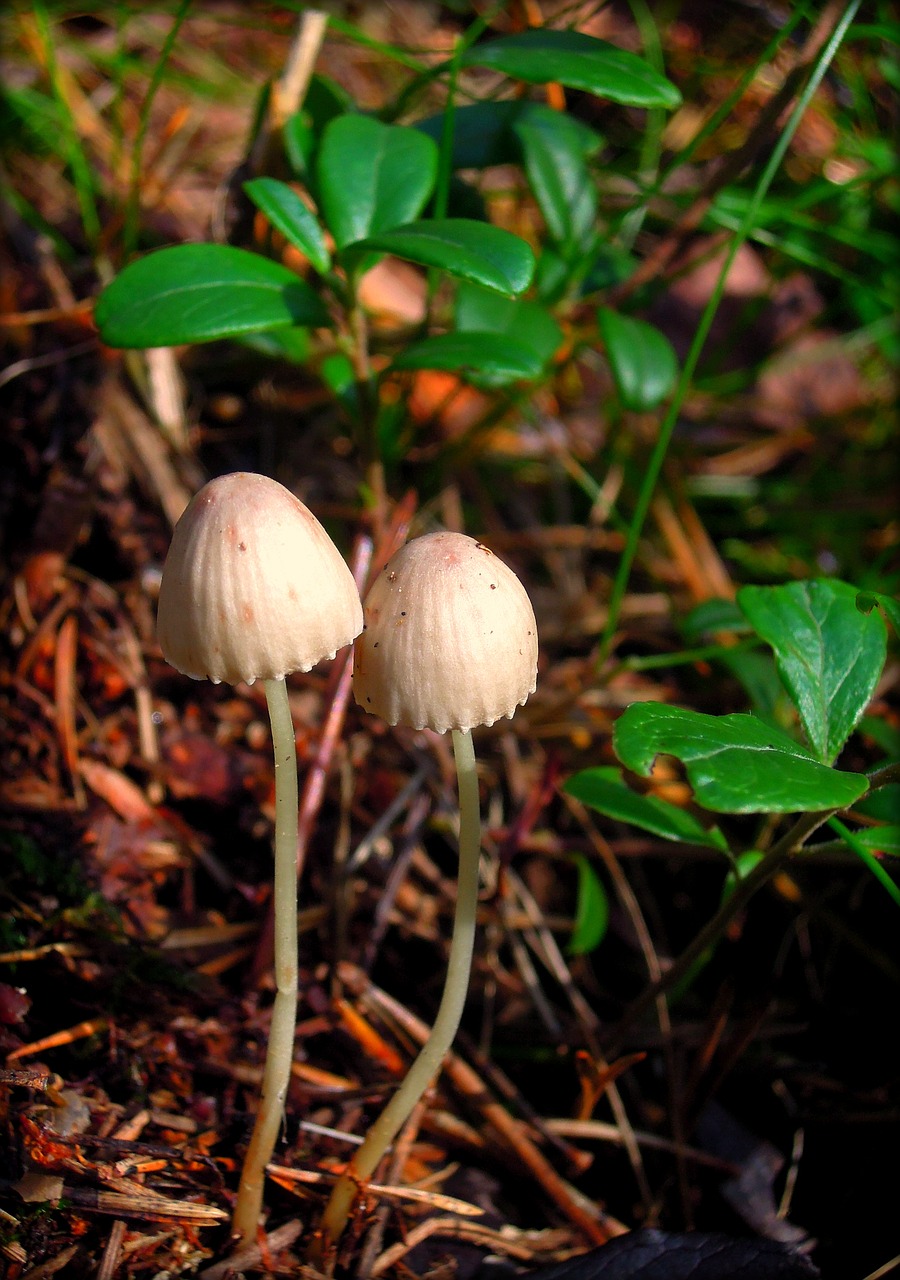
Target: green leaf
884, 839
495, 358
868, 859
643, 361
299, 141
592, 912
883, 805
303, 130
711, 617
577, 61
287, 212
887, 736
485, 310
735, 763
755, 671
828, 654
288, 343
475, 251
483, 132
199, 292
553, 155
867, 600
372, 176
603, 789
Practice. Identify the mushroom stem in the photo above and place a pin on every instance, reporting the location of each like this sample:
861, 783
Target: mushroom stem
280, 1052
459, 964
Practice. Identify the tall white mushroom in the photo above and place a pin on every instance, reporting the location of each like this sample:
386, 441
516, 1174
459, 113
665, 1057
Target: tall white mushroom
253, 588
450, 642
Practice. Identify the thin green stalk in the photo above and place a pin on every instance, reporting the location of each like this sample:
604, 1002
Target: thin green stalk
652, 140
771, 862
72, 148
280, 1052
459, 964
868, 858
129, 233
667, 426
657, 661
744, 890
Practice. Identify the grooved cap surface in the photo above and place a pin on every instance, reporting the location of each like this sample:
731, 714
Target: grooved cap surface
450, 638
253, 587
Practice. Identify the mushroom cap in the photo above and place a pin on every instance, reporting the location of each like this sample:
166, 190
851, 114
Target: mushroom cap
253, 587
450, 640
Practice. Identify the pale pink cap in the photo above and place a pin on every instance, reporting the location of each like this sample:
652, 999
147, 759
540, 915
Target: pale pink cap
450, 640
253, 587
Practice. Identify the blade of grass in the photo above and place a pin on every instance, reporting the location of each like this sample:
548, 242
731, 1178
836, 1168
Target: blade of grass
667, 426
868, 858
724, 110
72, 149
132, 205
652, 140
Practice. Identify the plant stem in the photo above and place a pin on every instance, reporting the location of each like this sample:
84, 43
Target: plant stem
280, 1052
459, 964
762, 873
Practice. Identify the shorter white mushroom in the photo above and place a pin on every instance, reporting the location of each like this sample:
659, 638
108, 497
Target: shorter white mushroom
253, 588
450, 642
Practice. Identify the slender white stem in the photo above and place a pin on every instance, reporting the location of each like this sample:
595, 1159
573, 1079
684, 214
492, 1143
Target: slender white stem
459, 965
280, 1052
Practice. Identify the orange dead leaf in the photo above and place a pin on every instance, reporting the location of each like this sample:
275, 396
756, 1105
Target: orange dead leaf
374, 1044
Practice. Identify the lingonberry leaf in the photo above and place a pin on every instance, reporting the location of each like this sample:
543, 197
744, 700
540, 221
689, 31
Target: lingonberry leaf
372, 176
829, 654
200, 292
578, 61
604, 789
735, 763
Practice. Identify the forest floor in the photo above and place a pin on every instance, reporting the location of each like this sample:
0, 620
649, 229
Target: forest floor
137, 805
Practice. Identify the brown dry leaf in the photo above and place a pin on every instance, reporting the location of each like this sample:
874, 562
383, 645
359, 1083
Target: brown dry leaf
121, 794
394, 291
813, 378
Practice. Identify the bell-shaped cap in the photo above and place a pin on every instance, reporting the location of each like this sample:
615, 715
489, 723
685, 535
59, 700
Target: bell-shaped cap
253, 587
450, 639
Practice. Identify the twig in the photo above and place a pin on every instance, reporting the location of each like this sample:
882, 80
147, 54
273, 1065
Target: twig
110, 1260
744, 890
282, 1238
596, 1226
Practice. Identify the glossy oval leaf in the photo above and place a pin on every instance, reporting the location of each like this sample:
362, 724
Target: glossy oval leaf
372, 176
643, 362
592, 910
735, 763
200, 292
494, 359
288, 343
867, 600
884, 839
563, 185
711, 617
483, 132
577, 61
604, 789
829, 655
287, 212
476, 251
485, 310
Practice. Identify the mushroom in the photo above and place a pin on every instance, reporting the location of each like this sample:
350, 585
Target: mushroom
450, 642
253, 588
